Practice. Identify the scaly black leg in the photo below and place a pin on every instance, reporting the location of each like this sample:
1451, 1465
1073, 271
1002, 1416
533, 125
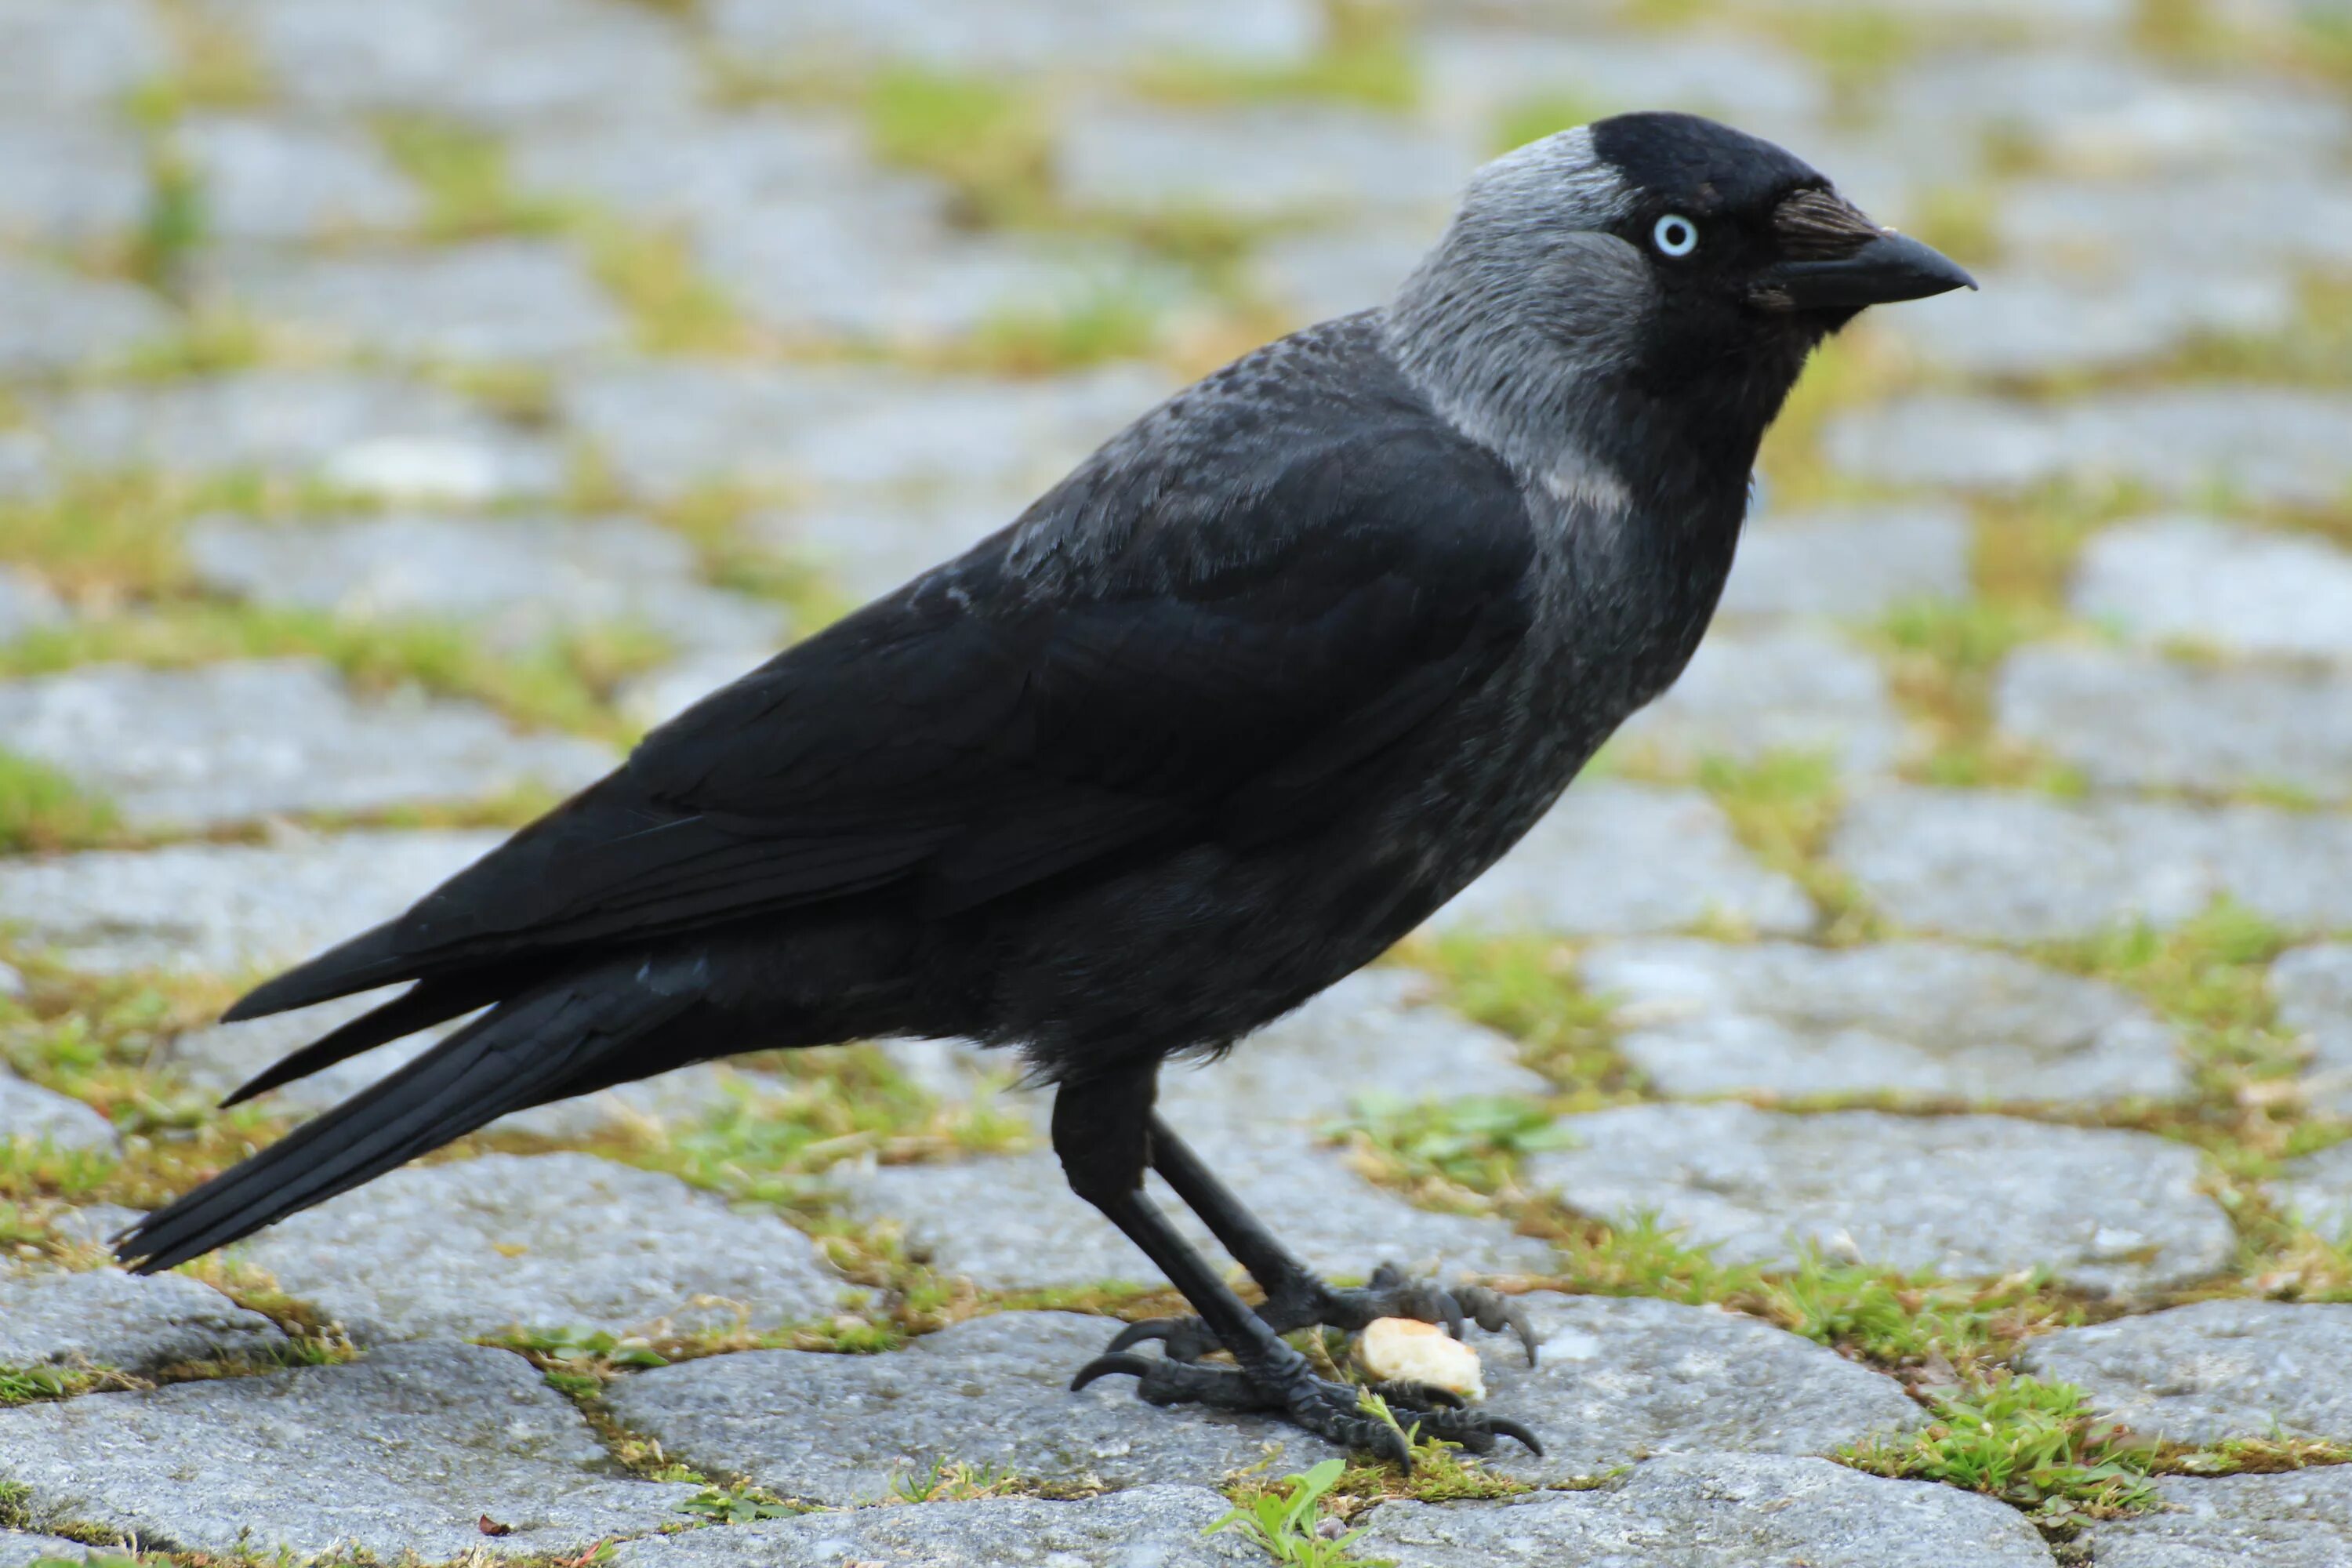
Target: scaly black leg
1295, 1297
1102, 1131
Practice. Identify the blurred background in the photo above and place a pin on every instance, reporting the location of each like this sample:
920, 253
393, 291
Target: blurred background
403, 404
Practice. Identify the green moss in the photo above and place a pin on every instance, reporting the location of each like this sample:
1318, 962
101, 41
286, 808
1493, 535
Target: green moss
673, 307
1371, 68
36, 1384
1858, 49
463, 173
42, 809
1107, 324
1532, 119
172, 226
1527, 988
1782, 807
2025, 1442
985, 138
1476, 1142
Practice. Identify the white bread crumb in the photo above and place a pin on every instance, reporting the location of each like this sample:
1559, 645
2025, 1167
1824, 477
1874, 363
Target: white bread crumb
1403, 1351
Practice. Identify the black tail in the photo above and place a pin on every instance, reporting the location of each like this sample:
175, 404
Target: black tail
525, 1051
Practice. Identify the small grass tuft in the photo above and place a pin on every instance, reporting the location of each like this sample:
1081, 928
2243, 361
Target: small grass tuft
1282, 1520
2031, 1444
740, 1505
43, 809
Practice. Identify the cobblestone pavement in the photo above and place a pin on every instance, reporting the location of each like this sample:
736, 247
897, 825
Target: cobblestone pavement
1909, 1084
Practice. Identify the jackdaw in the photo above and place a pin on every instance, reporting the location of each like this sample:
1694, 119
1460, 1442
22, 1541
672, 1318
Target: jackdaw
1224, 715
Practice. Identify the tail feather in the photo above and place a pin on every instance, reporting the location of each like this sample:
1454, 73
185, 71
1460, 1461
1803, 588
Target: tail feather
521, 1052
419, 1007
371, 959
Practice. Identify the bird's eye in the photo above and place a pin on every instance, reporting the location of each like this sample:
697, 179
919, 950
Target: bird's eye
1675, 235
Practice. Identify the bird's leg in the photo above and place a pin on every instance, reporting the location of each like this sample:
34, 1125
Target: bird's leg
1295, 1297
1102, 1131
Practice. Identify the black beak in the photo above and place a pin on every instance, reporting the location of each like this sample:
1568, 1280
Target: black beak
1837, 259
1891, 268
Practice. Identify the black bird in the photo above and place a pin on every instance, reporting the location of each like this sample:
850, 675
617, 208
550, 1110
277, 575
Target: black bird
1230, 709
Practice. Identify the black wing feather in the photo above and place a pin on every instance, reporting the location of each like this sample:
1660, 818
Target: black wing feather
988, 727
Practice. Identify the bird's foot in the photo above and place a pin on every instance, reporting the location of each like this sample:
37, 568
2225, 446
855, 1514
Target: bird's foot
1336, 1411
1308, 1302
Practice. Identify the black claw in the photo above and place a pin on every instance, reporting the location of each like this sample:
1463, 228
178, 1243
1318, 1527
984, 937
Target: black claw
1135, 1366
1502, 1426
1149, 1329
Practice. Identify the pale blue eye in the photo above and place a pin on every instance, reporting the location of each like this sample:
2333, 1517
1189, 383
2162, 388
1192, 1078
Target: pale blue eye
1675, 235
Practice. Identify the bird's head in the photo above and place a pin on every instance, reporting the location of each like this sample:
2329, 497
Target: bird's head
1665, 256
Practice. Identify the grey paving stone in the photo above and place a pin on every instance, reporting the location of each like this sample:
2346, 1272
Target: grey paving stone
1158, 1526
25, 470
1906, 1017
45, 1116
1276, 162
499, 64
233, 742
2288, 212
516, 580
1374, 1035
2100, 113
897, 275
51, 320
1317, 273
2239, 590
1852, 563
1622, 1379
667, 428
405, 1451
2036, 17
2025, 324
65, 55
225, 908
2302, 1518
1963, 1197
990, 1391
107, 1318
92, 1223
2210, 1371
1624, 857
866, 546
542, 1241
1473, 75
678, 168
1796, 689
2269, 443
1016, 32
364, 432
2313, 987
2020, 867
1701, 1510
496, 301
2317, 1190
26, 605
1010, 1221
2133, 722
21, 1549
278, 178
68, 180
